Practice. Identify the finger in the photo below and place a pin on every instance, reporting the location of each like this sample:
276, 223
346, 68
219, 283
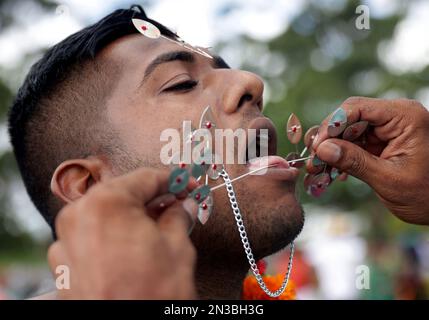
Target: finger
143, 184
157, 205
147, 183
311, 168
343, 177
349, 158
57, 256
161, 202
377, 112
179, 218
193, 183
65, 221
176, 224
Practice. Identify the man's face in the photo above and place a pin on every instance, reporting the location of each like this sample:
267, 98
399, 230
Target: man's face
149, 98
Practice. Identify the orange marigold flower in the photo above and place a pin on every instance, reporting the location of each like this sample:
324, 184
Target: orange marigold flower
252, 291
262, 266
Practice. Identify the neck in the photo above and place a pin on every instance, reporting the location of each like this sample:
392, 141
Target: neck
220, 281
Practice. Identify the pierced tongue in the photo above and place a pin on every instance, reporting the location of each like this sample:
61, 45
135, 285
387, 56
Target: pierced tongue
273, 167
267, 161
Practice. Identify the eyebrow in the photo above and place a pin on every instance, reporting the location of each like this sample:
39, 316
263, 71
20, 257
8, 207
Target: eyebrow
184, 56
219, 63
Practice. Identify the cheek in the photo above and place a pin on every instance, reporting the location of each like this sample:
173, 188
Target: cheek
140, 138
140, 125
145, 141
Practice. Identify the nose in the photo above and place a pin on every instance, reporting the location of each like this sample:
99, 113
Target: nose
239, 88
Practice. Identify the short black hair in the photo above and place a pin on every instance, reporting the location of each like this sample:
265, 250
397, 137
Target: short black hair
55, 113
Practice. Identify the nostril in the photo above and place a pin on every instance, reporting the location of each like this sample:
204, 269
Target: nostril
244, 98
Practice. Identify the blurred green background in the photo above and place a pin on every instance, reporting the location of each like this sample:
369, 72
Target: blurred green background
314, 58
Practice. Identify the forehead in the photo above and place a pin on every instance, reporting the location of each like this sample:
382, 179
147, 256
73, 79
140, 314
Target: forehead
136, 51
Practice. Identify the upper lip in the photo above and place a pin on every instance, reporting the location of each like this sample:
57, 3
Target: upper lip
263, 123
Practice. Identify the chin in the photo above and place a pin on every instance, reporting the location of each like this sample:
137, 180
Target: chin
272, 217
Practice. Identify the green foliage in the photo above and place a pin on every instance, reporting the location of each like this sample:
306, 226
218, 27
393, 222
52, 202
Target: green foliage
312, 93
326, 60
15, 244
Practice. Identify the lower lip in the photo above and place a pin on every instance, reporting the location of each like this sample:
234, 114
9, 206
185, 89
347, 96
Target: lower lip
279, 168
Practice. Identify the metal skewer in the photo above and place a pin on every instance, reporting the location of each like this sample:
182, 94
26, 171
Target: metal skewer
257, 170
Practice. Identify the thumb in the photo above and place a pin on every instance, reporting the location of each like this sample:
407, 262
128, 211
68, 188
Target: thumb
354, 160
180, 217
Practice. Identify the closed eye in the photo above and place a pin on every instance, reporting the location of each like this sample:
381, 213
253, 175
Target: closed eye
182, 86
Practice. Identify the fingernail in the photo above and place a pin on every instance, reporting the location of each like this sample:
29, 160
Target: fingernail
193, 183
191, 207
316, 138
167, 200
329, 152
316, 161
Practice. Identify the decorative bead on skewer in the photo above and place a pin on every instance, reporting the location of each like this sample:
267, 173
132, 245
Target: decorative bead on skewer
149, 30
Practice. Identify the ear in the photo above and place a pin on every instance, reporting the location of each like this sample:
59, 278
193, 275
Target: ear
73, 178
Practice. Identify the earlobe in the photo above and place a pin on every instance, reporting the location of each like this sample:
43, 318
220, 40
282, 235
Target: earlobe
73, 178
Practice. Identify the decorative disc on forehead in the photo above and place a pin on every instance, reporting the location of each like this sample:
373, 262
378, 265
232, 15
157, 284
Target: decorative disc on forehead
151, 31
146, 28
205, 209
310, 135
294, 129
319, 184
337, 123
355, 130
293, 156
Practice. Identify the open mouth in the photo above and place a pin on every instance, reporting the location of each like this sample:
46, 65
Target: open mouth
265, 140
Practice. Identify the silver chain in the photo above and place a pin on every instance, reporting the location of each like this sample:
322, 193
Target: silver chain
246, 243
